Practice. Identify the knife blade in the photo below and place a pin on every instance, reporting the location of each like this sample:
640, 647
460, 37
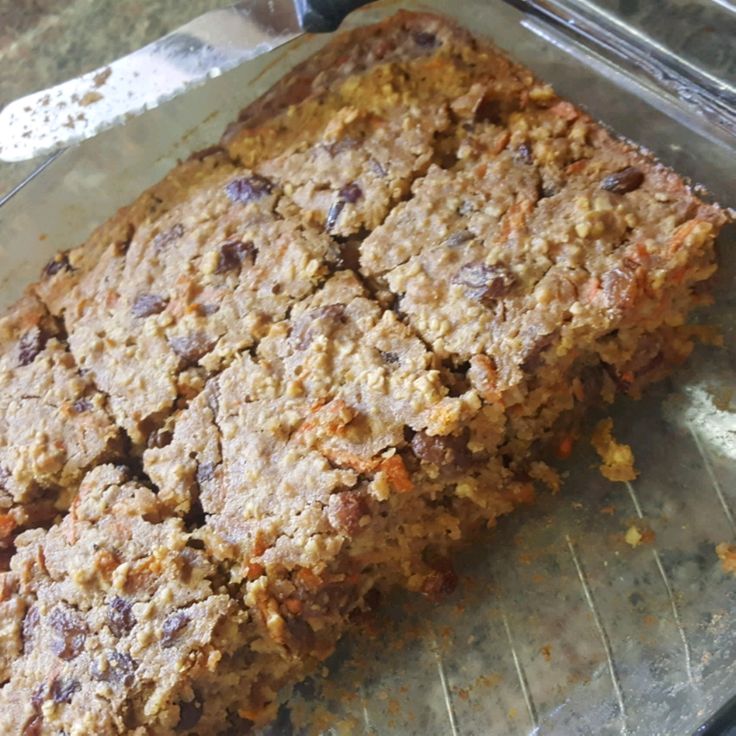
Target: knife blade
204, 48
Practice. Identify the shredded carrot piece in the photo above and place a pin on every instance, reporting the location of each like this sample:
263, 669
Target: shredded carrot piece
678, 275
576, 166
106, 562
515, 219
347, 459
251, 714
71, 534
683, 232
309, 578
259, 544
564, 449
41, 560
643, 255
329, 418
398, 476
293, 605
501, 142
7, 524
255, 570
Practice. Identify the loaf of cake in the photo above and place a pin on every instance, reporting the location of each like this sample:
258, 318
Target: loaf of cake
307, 365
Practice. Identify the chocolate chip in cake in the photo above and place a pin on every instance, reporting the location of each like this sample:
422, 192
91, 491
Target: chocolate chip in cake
147, 304
70, 633
233, 254
248, 189
624, 181
30, 345
485, 283
172, 627
120, 616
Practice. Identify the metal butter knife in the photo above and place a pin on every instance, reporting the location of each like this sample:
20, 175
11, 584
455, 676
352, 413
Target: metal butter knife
206, 47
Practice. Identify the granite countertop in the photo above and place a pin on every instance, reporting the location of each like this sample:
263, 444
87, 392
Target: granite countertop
43, 42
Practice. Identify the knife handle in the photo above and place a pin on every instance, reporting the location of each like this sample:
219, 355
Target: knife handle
324, 16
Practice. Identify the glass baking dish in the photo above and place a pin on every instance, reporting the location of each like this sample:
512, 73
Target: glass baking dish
559, 625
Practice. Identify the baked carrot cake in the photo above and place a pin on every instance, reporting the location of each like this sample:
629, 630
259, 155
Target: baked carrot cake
306, 365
